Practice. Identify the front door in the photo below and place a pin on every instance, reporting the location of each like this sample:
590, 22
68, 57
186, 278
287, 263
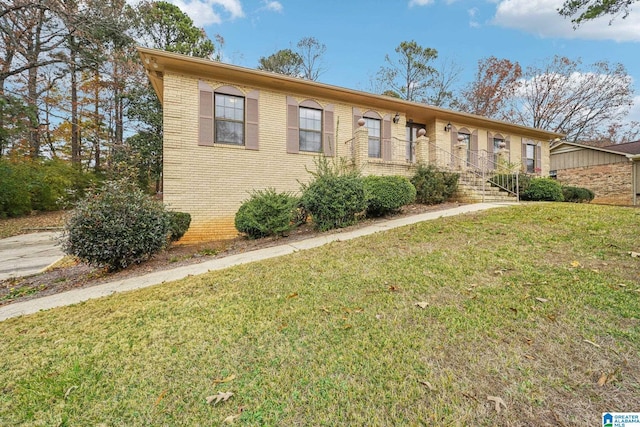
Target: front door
412, 137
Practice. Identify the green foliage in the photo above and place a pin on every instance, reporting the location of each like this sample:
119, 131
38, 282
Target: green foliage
577, 194
15, 198
543, 189
587, 10
284, 61
434, 186
39, 185
335, 195
410, 74
508, 181
266, 213
178, 224
116, 227
387, 194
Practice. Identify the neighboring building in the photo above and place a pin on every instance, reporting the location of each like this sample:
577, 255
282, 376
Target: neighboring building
229, 130
611, 172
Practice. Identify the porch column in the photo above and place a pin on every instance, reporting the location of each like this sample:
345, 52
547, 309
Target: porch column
503, 159
461, 155
422, 148
361, 144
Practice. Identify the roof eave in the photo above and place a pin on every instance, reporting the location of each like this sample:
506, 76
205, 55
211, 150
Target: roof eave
156, 62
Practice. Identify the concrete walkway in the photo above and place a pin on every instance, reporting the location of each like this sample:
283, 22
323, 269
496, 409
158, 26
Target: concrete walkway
79, 295
28, 254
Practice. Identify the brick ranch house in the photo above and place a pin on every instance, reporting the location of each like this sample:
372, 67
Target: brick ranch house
611, 172
229, 130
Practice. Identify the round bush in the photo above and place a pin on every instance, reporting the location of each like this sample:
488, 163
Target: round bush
334, 200
15, 197
116, 227
387, 193
178, 224
543, 189
577, 194
434, 186
266, 213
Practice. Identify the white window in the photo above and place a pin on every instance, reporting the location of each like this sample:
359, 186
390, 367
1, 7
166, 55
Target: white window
373, 126
310, 129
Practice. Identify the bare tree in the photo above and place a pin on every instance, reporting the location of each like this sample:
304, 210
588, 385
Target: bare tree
311, 51
564, 97
495, 84
440, 93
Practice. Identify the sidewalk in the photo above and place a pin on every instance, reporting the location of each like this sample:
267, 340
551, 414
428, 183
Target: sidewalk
79, 295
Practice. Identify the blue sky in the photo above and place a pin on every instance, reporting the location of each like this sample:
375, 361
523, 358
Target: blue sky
359, 33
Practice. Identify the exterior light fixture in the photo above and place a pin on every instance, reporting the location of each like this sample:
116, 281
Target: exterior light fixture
396, 119
447, 128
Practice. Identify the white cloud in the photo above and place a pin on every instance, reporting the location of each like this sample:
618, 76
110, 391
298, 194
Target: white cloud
473, 22
206, 12
420, 3
541, 17
274, 6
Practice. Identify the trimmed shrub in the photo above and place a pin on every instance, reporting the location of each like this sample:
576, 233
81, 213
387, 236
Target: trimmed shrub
334, 197
543, 189
266, 213
116, 227
387, 193
178, 224
577, 194
434, 186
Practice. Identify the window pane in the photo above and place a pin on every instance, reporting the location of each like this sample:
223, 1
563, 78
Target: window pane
310, 141
310, 119
373, 126
530, 166
531, 149
229, 132
229, 107
496, 143
374, 147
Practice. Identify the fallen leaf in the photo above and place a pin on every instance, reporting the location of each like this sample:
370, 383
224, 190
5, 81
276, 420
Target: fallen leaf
592, 343
515, 310
159, 399
498, 402
422, 304
427, 384
325, 309
224, 380
634, 254
219, 397
293, 295
529, 357
603, 380
551, 317
231, 418
543, 300
69, 390
575, 264
394, 288
622, 285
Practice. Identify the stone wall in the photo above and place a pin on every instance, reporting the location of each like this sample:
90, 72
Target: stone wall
611, 183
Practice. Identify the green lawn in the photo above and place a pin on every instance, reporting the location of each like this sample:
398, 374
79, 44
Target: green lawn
538, 305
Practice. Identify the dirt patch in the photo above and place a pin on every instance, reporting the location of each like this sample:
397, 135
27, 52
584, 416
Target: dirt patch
72, 274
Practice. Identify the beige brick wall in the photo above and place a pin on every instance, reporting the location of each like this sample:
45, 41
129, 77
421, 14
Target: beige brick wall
211, 182
612, 183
